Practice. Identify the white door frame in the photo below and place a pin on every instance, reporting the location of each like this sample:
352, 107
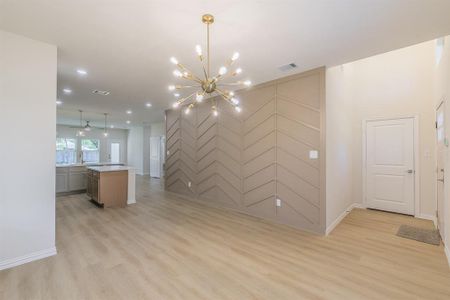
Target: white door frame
160, 155
416, 158
121, 152
436, 221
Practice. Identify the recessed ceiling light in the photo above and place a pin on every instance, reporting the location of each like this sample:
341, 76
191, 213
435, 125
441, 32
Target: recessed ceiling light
82, 72
176, 95
59, 102
128, 121
67, 91
148, 104
129, 112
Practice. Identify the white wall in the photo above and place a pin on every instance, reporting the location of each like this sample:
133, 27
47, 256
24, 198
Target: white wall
115, 134
135, 149
154, 129
339, 141
27, 173
442, 93
392, 84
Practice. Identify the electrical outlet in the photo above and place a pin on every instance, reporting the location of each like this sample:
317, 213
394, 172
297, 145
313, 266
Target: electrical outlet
189, 184
278, 202
313, 154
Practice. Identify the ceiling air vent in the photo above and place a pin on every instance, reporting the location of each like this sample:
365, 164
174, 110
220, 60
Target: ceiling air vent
103, 93
287, 67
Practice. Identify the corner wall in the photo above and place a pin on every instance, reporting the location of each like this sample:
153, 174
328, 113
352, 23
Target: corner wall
442, 93
27, 173
339, 136
246, 161
394, 84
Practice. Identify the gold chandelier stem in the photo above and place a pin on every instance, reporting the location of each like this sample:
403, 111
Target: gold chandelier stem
231, 83
181, 101
224, 96
207, 47
194, 78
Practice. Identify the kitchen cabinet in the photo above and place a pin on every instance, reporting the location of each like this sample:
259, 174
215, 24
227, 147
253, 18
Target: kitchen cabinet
70, 179
108, 188
62, 180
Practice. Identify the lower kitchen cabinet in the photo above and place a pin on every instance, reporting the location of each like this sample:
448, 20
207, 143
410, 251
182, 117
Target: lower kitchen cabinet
108, 189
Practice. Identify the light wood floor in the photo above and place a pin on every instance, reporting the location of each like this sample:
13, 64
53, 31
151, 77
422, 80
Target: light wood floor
167, 248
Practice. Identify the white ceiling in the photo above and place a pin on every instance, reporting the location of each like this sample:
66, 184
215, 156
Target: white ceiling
125, 45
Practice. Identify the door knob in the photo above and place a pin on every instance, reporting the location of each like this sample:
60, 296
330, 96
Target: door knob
441, 180
410, 171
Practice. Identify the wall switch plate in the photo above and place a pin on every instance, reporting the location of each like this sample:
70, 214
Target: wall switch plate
278, 202
313, 154
189, 184
168, 152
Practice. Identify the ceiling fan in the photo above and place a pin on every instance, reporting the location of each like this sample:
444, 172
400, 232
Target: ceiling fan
81, 128
87, 127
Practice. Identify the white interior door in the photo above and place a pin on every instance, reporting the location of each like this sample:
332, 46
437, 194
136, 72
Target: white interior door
390, 165
440, 149
155, 156
115, 152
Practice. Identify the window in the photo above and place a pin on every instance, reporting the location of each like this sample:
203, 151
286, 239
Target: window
66, 151
90, 149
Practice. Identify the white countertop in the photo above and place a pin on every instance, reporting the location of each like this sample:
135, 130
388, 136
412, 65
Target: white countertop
87, 165
110, 168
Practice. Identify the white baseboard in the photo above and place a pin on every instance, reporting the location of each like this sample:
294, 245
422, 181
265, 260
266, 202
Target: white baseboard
427, 217
342, 216
13, 262
359, 205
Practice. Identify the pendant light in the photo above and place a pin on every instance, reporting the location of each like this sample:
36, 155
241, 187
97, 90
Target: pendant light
105, 132
81, 131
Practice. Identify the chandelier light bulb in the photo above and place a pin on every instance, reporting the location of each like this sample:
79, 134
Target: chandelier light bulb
222, 71
238, 71
247, 83
171, 87
231, 93
234, 101
199, 97
105, 134
177, 73
238, 109
175, 105
187, 111
198, 49
235, 56
174, 60
214, 111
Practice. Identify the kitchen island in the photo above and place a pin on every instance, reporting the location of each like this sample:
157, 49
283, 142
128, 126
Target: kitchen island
72, 178
111, 186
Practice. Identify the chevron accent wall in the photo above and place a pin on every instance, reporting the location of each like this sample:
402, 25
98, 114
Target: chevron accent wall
247, 161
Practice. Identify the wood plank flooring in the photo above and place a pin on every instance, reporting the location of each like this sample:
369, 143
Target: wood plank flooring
165, 247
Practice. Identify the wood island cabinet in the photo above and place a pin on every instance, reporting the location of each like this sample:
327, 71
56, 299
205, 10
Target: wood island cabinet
108, 189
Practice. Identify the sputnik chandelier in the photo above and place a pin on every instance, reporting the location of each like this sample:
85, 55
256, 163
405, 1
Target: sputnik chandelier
208, 85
